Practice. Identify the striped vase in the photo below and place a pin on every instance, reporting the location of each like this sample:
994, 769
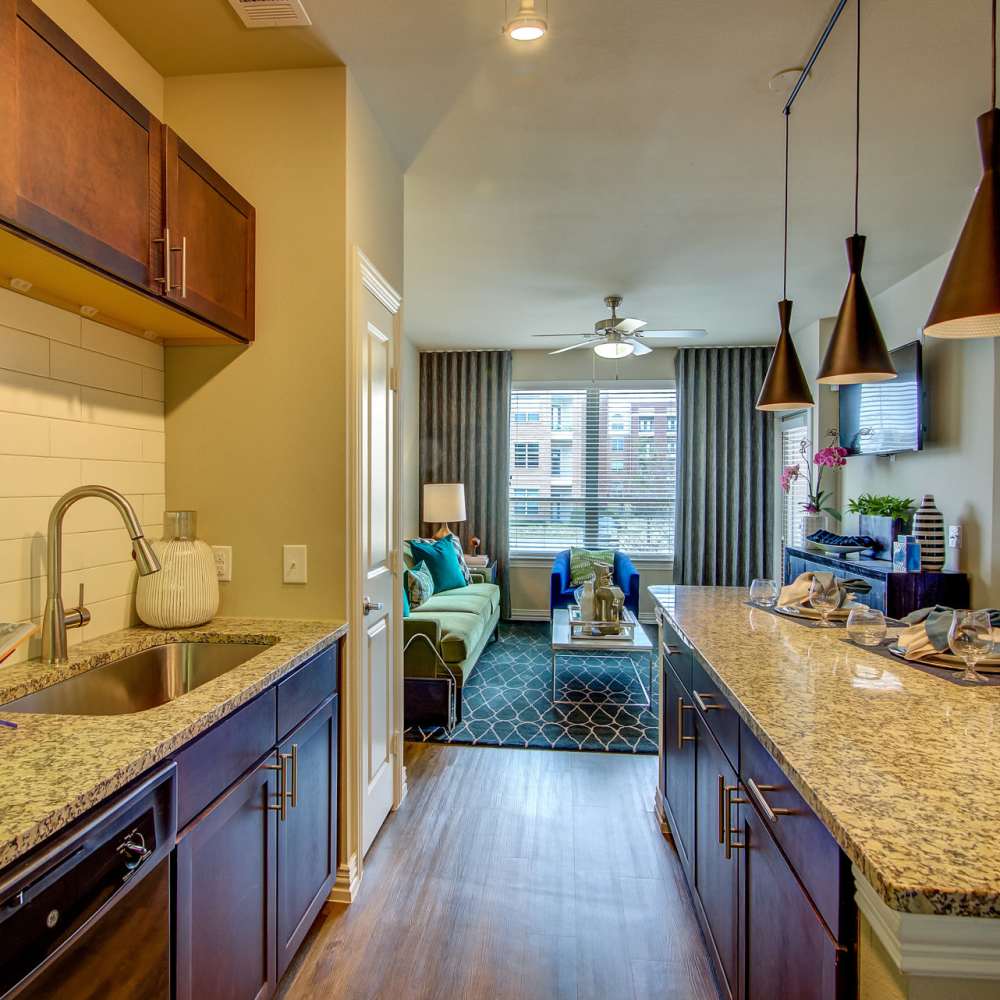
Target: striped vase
186, 590
928, 526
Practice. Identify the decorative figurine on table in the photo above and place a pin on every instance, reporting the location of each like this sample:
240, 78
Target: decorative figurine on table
609, 601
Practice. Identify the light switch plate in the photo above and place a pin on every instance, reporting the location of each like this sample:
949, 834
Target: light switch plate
293, 563
223, 562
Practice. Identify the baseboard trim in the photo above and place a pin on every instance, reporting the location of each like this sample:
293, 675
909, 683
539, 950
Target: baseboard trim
345, 887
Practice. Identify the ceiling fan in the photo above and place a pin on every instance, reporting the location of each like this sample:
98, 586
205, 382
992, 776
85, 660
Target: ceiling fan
619, 337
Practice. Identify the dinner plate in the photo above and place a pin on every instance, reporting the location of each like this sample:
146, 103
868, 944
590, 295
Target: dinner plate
804, 611
991, 665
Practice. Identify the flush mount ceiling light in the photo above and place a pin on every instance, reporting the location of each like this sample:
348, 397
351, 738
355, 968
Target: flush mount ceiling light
614, 347
528, 24
968, 303
857, 351
785, 386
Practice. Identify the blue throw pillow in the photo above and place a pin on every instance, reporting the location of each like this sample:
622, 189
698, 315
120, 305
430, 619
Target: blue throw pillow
442, 561
419, 585
406, 598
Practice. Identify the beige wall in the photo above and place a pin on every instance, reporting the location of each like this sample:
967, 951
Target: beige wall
80, 403
410, 399
959, 463
529, 577
256, 436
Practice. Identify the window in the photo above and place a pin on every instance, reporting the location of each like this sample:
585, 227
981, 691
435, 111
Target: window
529, 417
526, 456
601, 499
794, 431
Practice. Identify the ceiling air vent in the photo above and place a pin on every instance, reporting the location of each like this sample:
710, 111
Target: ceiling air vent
271, 13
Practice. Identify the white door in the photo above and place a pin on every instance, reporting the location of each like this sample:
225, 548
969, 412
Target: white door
378, 589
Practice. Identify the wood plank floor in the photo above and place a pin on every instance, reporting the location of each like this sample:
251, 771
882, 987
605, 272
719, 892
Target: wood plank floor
514, 874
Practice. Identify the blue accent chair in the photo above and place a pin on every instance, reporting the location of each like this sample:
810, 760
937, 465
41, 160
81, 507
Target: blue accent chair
626, 576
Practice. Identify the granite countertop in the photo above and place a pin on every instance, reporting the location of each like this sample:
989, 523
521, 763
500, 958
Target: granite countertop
53, 768
902, 767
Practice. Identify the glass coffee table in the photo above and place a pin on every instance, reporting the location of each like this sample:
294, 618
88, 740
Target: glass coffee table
636, 645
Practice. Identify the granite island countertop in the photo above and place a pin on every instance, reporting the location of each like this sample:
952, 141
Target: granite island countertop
53, 768
902, 767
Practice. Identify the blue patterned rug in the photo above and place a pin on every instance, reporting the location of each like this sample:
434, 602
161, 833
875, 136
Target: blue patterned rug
508, 700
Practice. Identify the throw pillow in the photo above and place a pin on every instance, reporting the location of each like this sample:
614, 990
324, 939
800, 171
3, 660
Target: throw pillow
582, 563
406, 597
442, 561
419, 584
409, 556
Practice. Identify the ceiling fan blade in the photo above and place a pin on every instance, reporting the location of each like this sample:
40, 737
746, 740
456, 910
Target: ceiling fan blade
572, 347
676, 334
627, 326
561, 335
638, 347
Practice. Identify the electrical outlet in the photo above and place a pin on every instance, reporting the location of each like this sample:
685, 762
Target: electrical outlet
293, 563
223, 562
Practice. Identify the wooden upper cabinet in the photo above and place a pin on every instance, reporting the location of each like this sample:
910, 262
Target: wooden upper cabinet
81, 158
211, 229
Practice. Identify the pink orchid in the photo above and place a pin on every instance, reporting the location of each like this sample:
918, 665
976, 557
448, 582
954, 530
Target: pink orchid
830, 457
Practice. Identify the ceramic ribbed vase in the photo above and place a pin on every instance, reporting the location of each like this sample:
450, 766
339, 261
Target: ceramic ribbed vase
186, 590
928, 526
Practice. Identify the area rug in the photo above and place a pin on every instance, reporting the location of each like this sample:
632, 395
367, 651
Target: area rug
508, 700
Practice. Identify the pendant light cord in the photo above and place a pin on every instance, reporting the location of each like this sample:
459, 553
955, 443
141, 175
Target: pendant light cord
857, 122
784, 264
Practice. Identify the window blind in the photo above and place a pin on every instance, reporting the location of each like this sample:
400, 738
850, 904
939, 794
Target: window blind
792, 437
593, 467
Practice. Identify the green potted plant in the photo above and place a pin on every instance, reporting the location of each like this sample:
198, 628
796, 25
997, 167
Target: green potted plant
882, 518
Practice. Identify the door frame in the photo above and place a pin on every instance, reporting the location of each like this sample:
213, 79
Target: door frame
350, 863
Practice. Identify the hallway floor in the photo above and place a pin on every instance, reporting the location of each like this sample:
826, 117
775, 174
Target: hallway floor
514, 875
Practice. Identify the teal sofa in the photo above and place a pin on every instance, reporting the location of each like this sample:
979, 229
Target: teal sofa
442, 641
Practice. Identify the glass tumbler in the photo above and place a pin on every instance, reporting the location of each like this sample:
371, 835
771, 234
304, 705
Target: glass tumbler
764, 593
866, 626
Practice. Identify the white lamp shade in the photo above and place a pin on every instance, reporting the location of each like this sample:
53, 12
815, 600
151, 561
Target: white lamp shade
444, 502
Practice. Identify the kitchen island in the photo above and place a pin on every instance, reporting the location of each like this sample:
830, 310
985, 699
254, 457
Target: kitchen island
900, 767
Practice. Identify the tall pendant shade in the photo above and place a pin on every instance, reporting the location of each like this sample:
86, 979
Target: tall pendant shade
857, 352
785, 386
968, 303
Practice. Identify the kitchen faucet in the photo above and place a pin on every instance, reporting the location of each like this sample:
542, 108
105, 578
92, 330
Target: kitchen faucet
56, 619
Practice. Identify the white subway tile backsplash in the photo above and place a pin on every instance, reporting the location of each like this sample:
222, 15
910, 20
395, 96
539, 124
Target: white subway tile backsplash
154, 446
24, 435
126, 477
96, 515
152, 384
103, 407
89, 368
25, 475
100, 583
107, 340
22, 558
23, 352
21, 517
32, 316
73, 439
20, 393
153, 508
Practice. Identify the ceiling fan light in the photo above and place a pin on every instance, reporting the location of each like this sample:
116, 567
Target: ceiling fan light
857, 351
527, 25
613, 349
785, 386
968, 302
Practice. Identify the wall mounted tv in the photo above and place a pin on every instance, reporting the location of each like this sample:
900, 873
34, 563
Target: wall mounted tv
883, 418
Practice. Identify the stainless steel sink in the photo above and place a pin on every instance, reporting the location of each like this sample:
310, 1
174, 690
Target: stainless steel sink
140, 681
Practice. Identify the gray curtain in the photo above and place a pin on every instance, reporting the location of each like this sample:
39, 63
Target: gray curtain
726, 468
465, 438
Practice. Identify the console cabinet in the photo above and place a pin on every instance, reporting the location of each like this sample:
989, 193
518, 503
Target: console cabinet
771, 888
257, 860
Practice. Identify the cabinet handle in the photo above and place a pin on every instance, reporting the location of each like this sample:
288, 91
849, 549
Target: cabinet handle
165, 240
703, 705
681, 738
183, 248
732, 845
280, 807
672, 650
757, 791
295, 775
722, 810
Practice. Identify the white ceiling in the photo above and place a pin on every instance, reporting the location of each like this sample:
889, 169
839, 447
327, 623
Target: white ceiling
637, 149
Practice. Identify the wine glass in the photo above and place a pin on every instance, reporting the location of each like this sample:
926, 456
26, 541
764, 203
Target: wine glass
866, 626
764, 593
971, 638
825, 597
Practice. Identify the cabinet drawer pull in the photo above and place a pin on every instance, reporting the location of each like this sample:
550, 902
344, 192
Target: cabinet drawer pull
722, 810
703, 705
183, 249
732, 845
295, 775
672, 650
757, 791
281, 806
681, 738
165, 240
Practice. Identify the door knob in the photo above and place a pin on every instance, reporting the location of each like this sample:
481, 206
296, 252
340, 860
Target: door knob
369, 606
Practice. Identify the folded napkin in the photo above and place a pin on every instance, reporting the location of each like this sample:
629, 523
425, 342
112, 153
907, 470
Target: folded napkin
927, 631
797, 592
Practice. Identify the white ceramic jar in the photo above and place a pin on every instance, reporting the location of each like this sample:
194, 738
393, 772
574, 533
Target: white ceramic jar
186, 590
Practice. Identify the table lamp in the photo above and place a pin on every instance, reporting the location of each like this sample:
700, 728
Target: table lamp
443, 503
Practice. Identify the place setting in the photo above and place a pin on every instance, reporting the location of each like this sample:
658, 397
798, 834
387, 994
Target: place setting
814, 600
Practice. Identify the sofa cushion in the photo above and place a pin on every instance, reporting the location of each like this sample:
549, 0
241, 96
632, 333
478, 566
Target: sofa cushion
489, 590
458, 600
442, 559
583, 563
460, 631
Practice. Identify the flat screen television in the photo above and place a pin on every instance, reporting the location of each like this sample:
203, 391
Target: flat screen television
883, 418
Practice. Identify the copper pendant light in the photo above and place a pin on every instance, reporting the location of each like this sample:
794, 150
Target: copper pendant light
857, 351
968, 302
785, 386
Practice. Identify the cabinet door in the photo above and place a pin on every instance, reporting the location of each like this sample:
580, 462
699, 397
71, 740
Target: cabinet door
678, 765
787, 949
226, 895
211, 230
80, 158
307, 838
716, 876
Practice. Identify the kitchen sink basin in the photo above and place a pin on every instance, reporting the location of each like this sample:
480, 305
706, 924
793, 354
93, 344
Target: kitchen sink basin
140, 681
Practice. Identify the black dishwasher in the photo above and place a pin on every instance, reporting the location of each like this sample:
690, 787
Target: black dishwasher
87, 915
